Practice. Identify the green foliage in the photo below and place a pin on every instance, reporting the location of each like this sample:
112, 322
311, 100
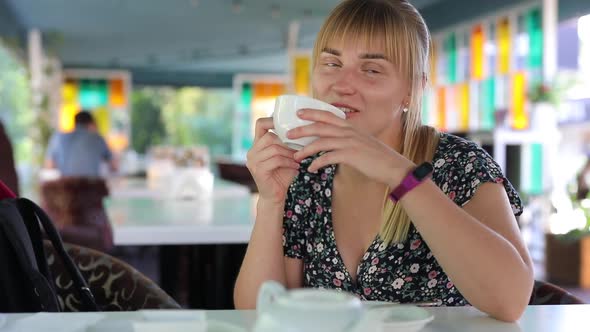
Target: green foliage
146, 120
15, 107
182, 117
554, 92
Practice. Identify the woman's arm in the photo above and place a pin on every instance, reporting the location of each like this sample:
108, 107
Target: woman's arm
264, 258
273, 168
479, 247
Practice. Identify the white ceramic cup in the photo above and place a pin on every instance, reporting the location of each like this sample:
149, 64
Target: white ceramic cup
285, 117
306, 310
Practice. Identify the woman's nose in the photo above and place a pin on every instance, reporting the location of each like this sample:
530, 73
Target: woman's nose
344, 83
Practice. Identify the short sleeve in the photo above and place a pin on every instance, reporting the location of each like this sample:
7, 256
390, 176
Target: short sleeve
297, 206
50, 154
106, 152
464, 166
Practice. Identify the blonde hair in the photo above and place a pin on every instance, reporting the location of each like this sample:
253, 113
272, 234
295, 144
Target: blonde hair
407, 43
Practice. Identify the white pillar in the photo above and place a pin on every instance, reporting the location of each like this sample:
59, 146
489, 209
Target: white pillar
36, 59
292, 38
550, 21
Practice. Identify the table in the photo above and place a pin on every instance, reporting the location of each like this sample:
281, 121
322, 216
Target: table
141, 216
201, 242
550, 318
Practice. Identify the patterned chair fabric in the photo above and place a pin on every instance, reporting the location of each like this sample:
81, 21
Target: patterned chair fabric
547, 293
75, 204
116, 285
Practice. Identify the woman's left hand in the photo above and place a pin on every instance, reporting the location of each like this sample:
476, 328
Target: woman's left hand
346, 145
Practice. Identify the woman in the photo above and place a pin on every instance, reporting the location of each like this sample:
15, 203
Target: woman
341, 229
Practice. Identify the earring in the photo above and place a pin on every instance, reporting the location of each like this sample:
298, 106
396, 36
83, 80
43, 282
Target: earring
405, 109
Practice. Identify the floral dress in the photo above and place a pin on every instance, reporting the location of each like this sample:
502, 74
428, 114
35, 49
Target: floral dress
401, 272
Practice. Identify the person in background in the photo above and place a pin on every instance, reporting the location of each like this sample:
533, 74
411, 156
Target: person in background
81, 152
8, 173
380, 205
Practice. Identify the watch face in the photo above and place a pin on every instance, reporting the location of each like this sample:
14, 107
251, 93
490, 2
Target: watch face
423, 171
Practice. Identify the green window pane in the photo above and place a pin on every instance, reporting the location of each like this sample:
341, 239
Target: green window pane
487, 103
536, 184
535, 31
246, 98
450, 46
93, 94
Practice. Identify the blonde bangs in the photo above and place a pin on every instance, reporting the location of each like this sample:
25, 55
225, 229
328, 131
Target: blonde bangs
374, 26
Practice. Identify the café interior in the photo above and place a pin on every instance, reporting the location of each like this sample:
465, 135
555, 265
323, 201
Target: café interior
175, 88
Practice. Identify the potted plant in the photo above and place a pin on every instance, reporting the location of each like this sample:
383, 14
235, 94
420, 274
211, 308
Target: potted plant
545, 99
567, 244
544, 102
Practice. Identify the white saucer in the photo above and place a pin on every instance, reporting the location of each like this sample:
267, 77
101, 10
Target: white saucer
406, 318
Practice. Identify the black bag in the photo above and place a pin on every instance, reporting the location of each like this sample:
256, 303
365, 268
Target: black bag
25, 282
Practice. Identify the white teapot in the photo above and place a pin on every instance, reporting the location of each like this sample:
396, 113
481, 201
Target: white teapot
315, 310
306, 310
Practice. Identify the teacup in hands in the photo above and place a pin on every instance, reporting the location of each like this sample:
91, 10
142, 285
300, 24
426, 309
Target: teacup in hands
285, 117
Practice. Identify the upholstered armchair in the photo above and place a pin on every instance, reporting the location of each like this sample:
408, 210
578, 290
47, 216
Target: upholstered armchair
116, 285
547, 293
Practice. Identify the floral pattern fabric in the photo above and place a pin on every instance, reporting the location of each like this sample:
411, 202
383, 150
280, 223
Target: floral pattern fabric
402, 272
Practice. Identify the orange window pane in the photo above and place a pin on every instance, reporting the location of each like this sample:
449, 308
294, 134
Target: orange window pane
117, 96
504, 45
477, 53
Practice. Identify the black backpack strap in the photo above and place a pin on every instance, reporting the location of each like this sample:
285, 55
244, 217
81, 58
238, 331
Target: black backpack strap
13, 226
25, 207
34, 230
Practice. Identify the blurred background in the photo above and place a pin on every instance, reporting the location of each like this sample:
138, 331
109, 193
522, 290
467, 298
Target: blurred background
175, 88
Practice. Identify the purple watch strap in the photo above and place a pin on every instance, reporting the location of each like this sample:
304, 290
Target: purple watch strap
408, 183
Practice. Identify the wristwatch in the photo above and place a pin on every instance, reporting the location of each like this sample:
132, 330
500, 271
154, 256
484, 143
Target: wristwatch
411, 181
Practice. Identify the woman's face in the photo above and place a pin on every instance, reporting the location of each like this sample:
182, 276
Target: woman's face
363, 83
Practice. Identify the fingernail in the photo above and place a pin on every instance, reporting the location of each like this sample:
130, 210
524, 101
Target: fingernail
300, 112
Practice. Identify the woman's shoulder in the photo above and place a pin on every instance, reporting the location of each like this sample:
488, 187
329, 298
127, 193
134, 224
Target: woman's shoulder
461, 166
455, 150
460, 161
452, 144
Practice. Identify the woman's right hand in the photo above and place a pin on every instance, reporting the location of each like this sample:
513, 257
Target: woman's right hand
271, 163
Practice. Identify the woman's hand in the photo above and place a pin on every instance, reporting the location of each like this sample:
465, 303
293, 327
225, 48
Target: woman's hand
346, 145
271, 163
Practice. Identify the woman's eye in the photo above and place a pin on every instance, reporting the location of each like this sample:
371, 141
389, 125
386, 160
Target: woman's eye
332, 64
372, 71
